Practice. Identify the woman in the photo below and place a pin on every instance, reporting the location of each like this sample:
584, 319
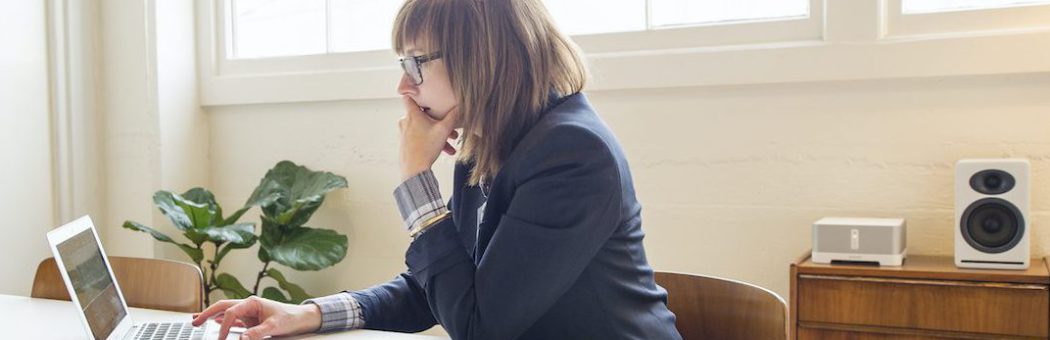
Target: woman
542, 236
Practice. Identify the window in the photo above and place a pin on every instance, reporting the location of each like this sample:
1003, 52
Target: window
279, 51
577, 17
670, 13
930, 6
361, 25
278, 28
268, 28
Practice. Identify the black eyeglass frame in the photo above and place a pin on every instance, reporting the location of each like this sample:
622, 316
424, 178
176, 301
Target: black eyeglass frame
418, 61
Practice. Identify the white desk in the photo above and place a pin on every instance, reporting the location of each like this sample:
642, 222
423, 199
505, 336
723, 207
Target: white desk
28, 318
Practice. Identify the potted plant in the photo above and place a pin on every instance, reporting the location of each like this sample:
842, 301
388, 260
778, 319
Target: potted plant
288, 196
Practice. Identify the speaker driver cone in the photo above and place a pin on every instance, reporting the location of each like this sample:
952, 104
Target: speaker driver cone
992, 225
992, 182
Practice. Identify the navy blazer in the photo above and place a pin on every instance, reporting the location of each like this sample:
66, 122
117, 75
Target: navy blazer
557, 255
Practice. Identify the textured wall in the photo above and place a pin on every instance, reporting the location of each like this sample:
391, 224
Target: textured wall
730, 178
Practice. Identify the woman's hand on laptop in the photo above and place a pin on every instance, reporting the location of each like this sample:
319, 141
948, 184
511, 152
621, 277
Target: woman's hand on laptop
262, 317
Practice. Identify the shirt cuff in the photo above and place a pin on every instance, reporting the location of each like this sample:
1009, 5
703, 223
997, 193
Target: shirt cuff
419, 199
339, 312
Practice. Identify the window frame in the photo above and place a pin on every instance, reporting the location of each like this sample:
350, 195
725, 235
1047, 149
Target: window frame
839, 40
965, 21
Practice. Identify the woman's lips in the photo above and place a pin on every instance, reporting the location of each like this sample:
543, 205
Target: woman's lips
427, 111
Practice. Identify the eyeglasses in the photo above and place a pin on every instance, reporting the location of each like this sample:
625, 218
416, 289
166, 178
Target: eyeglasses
413, 66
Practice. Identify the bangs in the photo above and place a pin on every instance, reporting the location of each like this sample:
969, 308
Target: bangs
419, 23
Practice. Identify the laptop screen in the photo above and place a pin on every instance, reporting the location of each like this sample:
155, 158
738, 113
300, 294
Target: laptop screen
91, 280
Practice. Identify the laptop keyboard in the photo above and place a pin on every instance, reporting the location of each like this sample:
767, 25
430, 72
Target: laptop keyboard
169, 331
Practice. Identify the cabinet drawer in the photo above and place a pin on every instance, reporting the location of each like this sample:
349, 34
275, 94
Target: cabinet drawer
959, 306
805, 333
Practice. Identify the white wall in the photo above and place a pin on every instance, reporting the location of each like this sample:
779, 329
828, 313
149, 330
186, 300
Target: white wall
95, 115
183, 125
131, 125
86, 166
25, 144
730, 178
156, 134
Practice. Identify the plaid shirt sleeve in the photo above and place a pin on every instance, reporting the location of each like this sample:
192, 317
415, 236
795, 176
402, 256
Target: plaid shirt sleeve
419, 199
339, 312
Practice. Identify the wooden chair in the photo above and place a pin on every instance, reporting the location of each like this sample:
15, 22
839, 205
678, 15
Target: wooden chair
716, 308
145, 283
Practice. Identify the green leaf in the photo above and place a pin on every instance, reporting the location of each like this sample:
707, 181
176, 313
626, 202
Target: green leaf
200, 214
201, 196
237, 236
165, 200
231, 246
300, 212
186, 213
264, 256
231, 287
197, 236
290, 187
236, 216
271, 233
218, 216
287, 216
237, 233
296, 293
263, 197
275, 294
304, 248
196, 254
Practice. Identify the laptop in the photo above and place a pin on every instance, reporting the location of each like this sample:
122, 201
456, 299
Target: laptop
89, 279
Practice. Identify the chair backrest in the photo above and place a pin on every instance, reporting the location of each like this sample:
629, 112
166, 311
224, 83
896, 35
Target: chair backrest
145, 283
716, 308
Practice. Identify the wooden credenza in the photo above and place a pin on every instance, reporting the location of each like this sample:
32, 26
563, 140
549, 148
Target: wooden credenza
927, 298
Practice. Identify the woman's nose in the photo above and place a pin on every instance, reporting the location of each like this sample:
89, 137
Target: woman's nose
406, 86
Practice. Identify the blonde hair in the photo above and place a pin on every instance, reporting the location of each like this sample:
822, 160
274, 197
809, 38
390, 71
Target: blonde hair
504, 58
